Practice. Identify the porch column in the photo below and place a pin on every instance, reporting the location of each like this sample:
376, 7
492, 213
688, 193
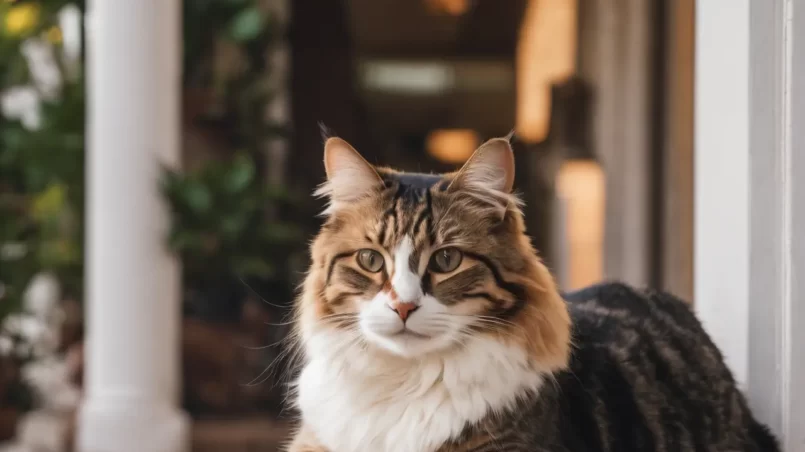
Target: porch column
133, 311
750, 200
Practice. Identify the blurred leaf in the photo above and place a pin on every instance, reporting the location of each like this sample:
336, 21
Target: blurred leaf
247, 24
232, 225
170, 182
197, 196
184, 240
241, 174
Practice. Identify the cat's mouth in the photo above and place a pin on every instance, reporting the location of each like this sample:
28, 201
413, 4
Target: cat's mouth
406, 332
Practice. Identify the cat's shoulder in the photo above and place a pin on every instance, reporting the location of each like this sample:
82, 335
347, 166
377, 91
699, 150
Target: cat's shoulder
616, 315
616, 300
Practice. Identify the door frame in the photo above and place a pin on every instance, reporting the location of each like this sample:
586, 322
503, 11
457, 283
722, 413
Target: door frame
750, 200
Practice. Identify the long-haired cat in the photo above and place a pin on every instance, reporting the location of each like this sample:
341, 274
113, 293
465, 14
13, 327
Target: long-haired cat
428, 323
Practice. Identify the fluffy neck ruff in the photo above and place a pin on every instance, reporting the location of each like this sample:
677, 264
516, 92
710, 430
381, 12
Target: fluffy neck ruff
354, 399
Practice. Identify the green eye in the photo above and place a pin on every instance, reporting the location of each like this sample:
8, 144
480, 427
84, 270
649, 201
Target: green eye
445, 260
370, 260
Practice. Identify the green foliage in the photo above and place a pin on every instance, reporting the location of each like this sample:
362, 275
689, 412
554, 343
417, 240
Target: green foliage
41, 169
227, 226
221, 211
221, 223
233, 233
225, 54
247, 25
41, 174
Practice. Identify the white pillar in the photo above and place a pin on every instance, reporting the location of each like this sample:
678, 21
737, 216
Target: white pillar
133, 310
750, 199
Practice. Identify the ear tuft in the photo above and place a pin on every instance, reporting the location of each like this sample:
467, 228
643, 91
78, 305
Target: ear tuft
511, 136
325, 132
349, 176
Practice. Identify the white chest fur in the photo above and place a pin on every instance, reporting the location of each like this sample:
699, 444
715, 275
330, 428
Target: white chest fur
356, 401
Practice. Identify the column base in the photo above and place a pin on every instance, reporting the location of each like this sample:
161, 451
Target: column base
118, 426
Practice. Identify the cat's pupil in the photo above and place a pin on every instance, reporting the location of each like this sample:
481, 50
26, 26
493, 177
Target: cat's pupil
446, 260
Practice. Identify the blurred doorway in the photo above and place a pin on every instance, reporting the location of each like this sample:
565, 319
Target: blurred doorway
418, 84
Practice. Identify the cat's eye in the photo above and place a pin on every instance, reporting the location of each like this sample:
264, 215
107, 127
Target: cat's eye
370, 260
445, 260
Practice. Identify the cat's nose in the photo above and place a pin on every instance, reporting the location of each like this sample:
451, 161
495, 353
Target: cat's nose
403, 309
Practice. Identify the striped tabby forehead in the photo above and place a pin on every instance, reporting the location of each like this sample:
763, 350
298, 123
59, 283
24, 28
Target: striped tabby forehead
411, 218
419, 206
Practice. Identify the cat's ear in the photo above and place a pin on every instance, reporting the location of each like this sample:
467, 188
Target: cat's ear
349, 176
489, 174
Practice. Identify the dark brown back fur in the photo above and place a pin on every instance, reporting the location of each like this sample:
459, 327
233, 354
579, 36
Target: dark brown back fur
644, 376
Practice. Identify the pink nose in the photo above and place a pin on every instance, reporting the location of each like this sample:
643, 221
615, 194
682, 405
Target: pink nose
403, 309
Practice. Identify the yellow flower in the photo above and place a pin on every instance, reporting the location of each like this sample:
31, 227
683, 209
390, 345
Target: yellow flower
20, 19
49, 202
54, 35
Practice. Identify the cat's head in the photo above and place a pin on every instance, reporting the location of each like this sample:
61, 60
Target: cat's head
415, 265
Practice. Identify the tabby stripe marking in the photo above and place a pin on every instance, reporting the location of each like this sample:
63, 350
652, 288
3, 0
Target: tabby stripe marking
485, 295
342, 297
333, 261
424, 215
388, 215
355, 279
515, 289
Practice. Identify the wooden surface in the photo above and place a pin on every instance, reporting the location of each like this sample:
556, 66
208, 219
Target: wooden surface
257, 434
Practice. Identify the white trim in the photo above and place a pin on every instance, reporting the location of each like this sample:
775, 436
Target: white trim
768, 220
792, 310
750, 199
721, 180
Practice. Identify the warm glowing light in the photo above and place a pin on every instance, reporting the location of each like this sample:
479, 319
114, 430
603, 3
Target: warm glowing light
546, 53
452, 7
452, 146
408, 77
580, 189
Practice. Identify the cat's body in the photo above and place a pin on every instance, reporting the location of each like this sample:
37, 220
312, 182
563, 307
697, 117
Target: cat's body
643, 376
428, 324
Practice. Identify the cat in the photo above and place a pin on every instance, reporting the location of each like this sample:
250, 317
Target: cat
428, 323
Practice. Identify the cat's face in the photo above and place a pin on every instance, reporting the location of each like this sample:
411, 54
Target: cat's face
416, 264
